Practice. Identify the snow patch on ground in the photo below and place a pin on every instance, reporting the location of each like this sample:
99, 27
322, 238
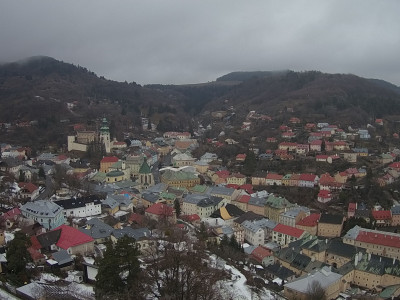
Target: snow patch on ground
9, 236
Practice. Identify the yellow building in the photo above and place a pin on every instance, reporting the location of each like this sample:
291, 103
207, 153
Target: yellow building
180, 179
330, 225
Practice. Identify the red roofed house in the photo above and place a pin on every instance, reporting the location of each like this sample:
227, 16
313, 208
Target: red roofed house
236, 178
288, 135
324, 196
262, 255
308, 180
258, 180
240, 157
193, 219
10, 217
309, 224
351, 210
28, 190
220, 176
302, 148
242, 202
382, 217
273, 179
161, 212
107, 162
376, 242
247, 187
283, 234
395, 166
379, 122
64, 237
316, 145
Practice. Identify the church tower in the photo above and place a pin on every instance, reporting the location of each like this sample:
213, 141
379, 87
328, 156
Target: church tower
146, 178
105, 135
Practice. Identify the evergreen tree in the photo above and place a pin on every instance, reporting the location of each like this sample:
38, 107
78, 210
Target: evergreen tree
119, 270
177, 207
42, 174
250, 163
17, 258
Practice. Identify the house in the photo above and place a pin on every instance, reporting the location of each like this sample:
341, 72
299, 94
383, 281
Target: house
161, 212
309, 223
10, 217
46, 213
316, 145
81, 207
382, 217
291, 147
351, 210
274, 206
302, 149
308, 180
329, 281
67, 238
28, 191
273, 179
283, 234
293, 214
288, 135
395, 210
324, 196
183, 159
350, 156
107, 162
240, 157
364, 134
374, 241
180, 179
253, 233
262, 255
330, 225
256, 205
236, 178
110, 205
98, 230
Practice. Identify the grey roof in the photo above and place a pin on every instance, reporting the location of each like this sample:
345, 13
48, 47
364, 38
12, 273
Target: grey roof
249, 249
352, 233
220, 190
195, 198
337, 247
277, 270
110, 202
395, 210
49, 238
256, 225
121, 199
153, 198
158, 188
42, 208
294, 211
137, 234
98, 229
210, 201
257, 201
62, 257
248, 216
325, 277
331, 219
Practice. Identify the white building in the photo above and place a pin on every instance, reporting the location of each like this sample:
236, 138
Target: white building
81, 207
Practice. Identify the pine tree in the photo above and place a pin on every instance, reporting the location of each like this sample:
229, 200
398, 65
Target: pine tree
250, 163
119, 270
17, 258
177, 207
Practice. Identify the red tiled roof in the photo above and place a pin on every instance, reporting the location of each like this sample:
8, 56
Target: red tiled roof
241, 156
324, 194
71, 237
395, 165
244, 199
274, 176
260, 253
35, 254
316, 143
232, 186
62, 157
109, 159
289, 144
35, 243
289, 230
307, 177
28, 186
160, 209
11, 214
378, 239
309, 221
191, 218
137, 218
382, 214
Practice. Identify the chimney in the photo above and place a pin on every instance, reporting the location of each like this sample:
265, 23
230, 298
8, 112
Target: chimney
380, 259
356, 260
394, 260
326, 241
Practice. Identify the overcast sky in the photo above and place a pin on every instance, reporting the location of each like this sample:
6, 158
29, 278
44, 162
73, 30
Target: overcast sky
189, 41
